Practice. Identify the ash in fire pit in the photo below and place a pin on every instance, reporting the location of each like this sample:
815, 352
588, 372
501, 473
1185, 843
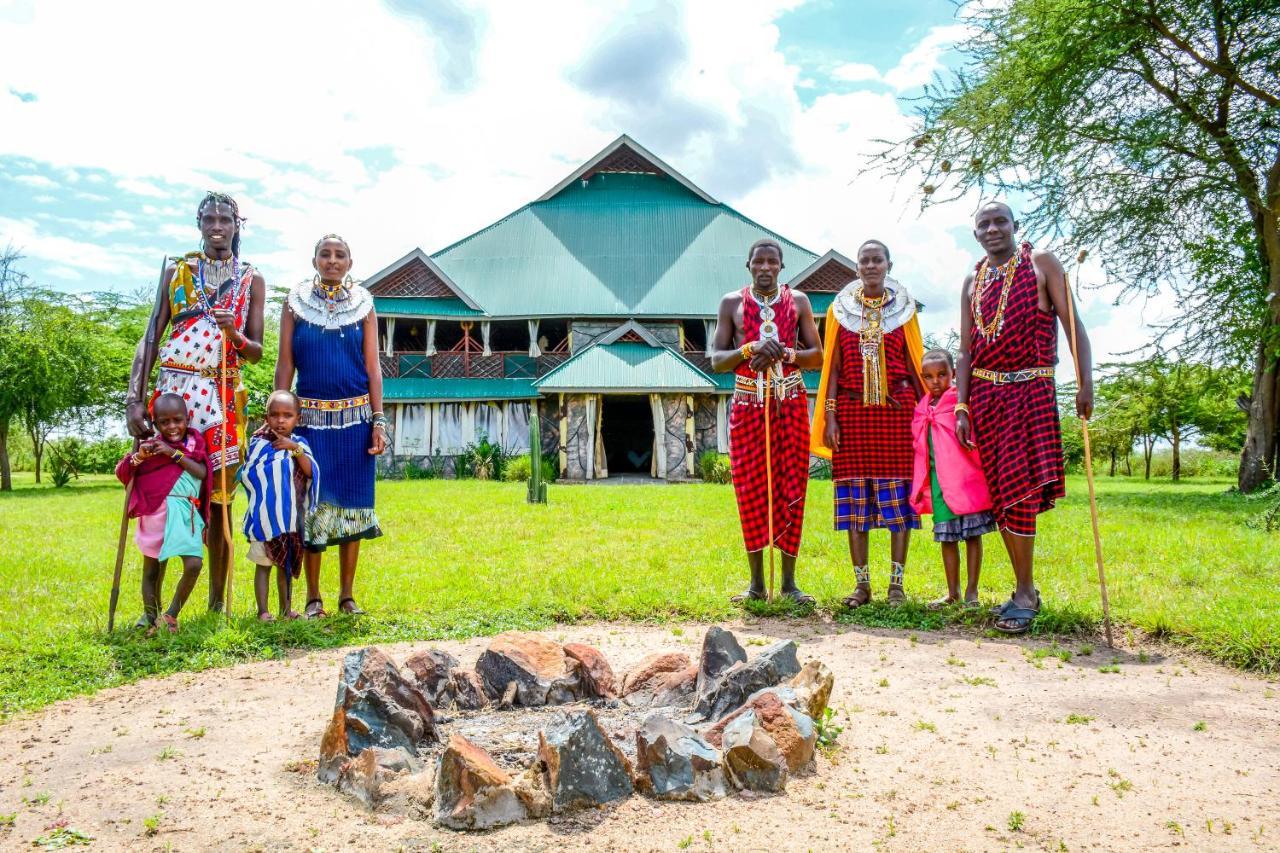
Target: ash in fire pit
537, 728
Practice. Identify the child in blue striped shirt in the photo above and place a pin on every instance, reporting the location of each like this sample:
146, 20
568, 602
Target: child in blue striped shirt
282, 481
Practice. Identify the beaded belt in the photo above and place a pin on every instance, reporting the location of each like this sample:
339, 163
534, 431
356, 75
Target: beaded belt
334, 405
781, 387
1025, 375
233, 373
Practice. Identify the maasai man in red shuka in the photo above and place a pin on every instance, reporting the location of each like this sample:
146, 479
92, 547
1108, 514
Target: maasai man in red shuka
868, 393
766, 335
205, 297
1007, 400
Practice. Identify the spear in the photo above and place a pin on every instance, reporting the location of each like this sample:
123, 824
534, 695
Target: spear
1088, 460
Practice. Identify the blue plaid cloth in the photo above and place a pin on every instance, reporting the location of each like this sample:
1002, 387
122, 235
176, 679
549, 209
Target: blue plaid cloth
865, 503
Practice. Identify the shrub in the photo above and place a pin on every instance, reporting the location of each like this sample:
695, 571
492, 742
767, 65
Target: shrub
432, 470
819, 469
714, 467
518, 469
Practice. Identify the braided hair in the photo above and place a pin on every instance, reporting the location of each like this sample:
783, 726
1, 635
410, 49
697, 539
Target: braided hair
337, 237
216, 198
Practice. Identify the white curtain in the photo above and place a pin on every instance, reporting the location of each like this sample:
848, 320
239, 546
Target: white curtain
534, 349
710, 326
447, 438
468, 423
431, 337
722, 424
489, 422
659, 466
484, 337
391, 335
516, 436
413, 430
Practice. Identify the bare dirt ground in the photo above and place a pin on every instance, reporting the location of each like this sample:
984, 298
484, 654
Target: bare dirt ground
950, 743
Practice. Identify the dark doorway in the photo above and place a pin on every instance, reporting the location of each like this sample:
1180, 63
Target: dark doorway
626, 427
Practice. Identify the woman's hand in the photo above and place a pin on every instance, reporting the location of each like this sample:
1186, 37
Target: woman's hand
831, 432
379, 441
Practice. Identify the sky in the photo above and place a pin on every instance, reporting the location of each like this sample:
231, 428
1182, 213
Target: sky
413, 123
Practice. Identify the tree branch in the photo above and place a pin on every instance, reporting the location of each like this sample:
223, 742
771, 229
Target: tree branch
1226, 70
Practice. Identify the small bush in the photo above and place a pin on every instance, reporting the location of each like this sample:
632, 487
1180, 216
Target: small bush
819, 469
519, 468
432, 470
714, 467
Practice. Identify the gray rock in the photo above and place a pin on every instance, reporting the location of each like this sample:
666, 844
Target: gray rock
468, 691
739, 681
583, 767
538, 666
433, 670
366, 776
472, 791
751, 757
720, 650
673, 762
376, 707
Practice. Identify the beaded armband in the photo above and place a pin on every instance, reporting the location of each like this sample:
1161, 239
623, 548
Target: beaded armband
829, 405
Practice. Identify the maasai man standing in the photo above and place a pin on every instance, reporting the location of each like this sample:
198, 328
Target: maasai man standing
868, 393
204, 297
766, 335
1007, 402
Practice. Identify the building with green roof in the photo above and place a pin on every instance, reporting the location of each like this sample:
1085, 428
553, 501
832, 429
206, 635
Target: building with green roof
595, 302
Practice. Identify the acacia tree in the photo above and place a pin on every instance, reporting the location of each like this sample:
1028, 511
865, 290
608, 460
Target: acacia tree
1148, 129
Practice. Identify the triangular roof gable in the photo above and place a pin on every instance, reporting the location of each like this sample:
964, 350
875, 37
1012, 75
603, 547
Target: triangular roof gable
624, 154
828, 274
629, 331
609, 366
416, 274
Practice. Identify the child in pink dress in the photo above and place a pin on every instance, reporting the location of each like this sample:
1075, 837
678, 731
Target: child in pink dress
948, 481
169, 497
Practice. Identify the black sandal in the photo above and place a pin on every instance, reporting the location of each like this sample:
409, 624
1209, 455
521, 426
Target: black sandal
799, 597
318, 612
355, 608
748, 595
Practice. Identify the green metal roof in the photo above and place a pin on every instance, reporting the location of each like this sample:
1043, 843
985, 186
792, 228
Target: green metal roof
625, 366
440, 390
623, 245
423, 306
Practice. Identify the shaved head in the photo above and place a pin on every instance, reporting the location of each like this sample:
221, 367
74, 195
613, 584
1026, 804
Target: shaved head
995, 205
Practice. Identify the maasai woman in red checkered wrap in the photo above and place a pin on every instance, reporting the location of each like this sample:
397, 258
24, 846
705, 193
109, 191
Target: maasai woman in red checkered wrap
775, 337
1007, 403
870, 385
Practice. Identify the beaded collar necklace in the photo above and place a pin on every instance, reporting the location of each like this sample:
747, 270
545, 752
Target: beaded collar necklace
982, 283
218, 269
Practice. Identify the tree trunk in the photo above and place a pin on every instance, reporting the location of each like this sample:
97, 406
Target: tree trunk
1258, 458
6, 475
1176, 441
1148, 444
37, 451
1113, 463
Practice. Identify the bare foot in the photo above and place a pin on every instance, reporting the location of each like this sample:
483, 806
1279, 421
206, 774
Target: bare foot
264, 616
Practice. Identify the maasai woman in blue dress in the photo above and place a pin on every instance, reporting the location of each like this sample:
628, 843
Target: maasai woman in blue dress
329, 335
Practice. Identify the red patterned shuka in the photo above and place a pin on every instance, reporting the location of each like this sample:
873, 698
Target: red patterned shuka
875, 441
788, 439
1015, 424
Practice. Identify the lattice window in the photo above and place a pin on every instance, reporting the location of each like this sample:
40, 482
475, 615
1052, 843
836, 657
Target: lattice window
390, 366
413, 279
631, 337
625, 160
829, 278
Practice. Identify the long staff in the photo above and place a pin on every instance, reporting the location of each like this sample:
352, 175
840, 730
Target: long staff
1088, 472
768, 473
227, 538
148, 347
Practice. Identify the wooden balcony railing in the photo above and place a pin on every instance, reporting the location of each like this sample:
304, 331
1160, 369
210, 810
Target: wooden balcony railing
469, 365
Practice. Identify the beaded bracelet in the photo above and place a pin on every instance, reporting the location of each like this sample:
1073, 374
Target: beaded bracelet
239, 345
789, 355
830, 404
747, 351
177, 456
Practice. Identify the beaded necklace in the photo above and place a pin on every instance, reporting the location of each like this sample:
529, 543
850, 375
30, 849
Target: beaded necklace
332, 295
982, 283
875, 381
219, 268
768, 328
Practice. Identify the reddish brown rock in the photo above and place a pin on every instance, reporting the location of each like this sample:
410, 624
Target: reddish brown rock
432, 670
791, 730
653, 670
677, 688
468, 691
537, 666
472, 791
813, 688
598, 679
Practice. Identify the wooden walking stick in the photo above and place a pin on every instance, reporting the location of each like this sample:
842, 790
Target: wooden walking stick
227, 538
768, 475
1088, 469
148, 348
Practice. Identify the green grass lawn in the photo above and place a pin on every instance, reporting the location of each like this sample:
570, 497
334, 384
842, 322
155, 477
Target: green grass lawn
464, 558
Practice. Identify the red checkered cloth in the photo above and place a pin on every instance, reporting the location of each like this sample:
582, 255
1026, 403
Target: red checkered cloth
875, 441
1016, 424
788, 441
866, 503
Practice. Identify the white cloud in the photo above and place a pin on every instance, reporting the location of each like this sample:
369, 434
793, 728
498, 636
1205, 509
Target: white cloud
120, 262
35, 181
918, 66
855, 72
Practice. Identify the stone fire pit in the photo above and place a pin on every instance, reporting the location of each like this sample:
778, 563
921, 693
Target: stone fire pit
538, 728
